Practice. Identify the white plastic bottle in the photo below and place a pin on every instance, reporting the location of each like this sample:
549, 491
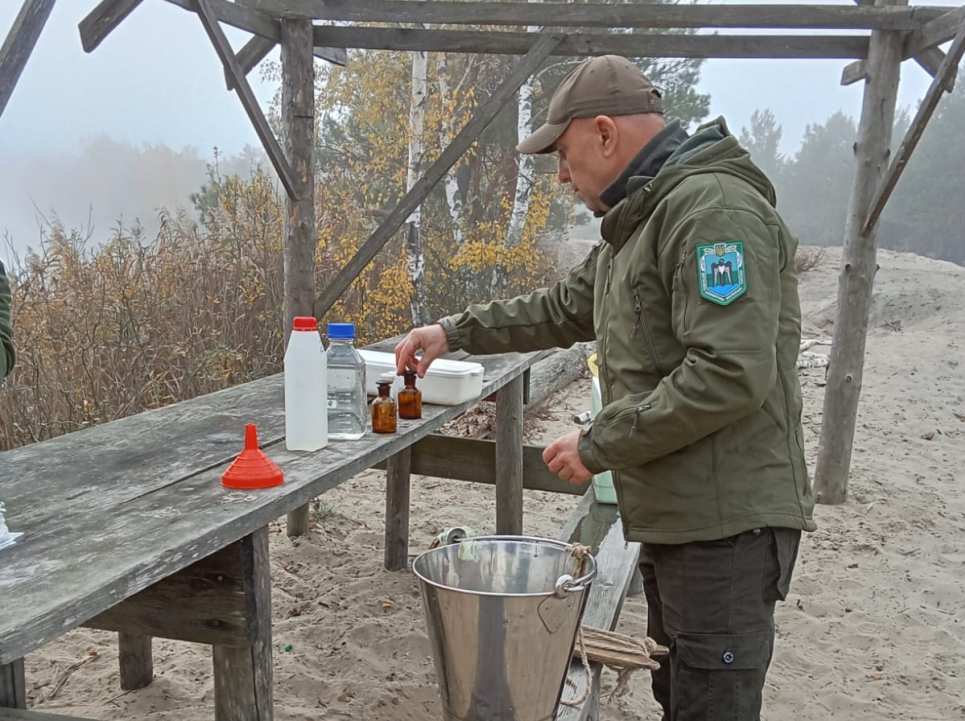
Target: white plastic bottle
306, 388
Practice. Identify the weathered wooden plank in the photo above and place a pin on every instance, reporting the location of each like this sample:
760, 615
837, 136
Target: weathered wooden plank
251, 53
248, 99
930, 59
298, 119
588, 44
243, 676
600, 15
105, 466
925, 110
203, 603
136, 659
239, 16
854, 72
509, 458
487, 112
20, 43
857, 271
62, 574
13, 686
934, 33
398, 473
102, 20
598, 526
474, 460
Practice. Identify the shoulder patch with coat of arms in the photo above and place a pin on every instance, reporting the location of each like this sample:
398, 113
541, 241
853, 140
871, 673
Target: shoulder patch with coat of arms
721, 272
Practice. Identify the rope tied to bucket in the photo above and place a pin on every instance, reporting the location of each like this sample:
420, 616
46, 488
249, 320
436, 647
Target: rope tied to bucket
580, 553
619, 652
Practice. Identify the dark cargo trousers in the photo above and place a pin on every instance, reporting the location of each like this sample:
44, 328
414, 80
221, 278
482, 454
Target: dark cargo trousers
712, 604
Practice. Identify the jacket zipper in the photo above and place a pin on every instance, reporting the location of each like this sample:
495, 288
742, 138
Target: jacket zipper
639, 323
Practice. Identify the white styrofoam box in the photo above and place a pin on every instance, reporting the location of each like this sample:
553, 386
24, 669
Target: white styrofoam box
447, 382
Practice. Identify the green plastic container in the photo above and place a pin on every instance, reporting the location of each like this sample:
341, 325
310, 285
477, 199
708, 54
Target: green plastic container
602, 482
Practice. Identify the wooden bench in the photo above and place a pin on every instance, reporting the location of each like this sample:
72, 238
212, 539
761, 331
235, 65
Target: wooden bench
598, 526
127, 528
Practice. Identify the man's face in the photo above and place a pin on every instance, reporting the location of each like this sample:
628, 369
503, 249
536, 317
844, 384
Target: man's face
586, 157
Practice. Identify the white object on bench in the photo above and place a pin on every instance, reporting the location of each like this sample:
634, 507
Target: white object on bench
447, 382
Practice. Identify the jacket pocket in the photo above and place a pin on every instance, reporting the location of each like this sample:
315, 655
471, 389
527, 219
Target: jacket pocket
640, 328
721, 675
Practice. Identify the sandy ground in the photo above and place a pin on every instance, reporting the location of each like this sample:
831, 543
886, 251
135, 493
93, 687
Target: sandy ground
874, 627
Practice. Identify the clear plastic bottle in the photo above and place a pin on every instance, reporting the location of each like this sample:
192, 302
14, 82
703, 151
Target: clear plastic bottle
306, 422
346, 385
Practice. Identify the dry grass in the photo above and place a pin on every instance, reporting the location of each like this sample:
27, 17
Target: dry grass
808, 258
106, 331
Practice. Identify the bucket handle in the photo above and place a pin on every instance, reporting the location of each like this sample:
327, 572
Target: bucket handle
567, 584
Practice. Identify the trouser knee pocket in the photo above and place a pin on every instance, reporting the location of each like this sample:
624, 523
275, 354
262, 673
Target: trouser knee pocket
720, 676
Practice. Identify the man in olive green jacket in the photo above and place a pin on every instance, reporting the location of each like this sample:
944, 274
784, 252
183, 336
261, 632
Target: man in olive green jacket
6, 330
692, 301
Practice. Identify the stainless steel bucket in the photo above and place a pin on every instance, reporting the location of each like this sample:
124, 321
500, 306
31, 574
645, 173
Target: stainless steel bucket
502, 614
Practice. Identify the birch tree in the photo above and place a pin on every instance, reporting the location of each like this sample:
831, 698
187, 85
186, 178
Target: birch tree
413, 228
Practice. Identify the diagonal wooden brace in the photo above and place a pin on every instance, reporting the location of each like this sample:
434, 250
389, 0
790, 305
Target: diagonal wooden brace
921, 45
20, 42
541, 50
925, 111
248, 100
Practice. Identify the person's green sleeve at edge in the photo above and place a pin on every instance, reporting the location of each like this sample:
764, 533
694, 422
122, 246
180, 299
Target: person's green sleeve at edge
7, 357
554, 317
731, 362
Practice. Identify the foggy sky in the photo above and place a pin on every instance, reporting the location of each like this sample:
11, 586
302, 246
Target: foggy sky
71, 134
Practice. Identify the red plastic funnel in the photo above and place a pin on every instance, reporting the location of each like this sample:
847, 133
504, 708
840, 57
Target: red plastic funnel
252, 468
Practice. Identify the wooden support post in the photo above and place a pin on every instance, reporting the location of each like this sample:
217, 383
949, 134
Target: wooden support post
136, 659
857, 272
13, 687
908, 144
509, 458
243, 675
539, 51
20, 42
298, 117
398, 468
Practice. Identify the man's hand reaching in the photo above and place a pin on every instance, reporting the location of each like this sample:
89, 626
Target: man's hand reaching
430, 339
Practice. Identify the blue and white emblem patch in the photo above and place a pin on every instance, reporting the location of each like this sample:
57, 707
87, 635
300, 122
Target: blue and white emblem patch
721, 271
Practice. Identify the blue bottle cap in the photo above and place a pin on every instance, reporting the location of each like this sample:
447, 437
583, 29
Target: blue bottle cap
341, 331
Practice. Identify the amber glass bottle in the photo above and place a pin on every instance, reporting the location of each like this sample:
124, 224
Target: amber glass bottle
410, 398
383, 408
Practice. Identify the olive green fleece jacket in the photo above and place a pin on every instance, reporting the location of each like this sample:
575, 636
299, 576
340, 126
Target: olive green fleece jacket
692, 300
6, 330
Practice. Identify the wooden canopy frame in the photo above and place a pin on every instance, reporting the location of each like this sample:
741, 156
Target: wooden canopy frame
898, 32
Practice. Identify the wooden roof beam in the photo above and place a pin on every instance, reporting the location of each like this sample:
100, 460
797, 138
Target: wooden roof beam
604, 15
541, 49
921, 45
20, 42
917, 128
588, 44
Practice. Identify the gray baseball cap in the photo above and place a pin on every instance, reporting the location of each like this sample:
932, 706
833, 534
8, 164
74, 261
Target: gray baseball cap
605, 85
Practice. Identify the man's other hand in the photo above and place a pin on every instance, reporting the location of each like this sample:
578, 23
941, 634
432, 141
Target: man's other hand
562, 457
430, 339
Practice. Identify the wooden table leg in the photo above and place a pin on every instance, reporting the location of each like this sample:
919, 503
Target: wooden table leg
509, 458
222, 600
397, 510
137, 661
13, 687
243, 674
